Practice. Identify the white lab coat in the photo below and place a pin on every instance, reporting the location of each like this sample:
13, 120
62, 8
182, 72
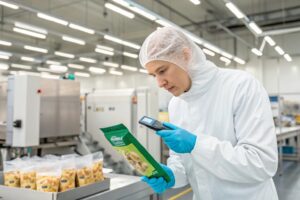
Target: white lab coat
235, 155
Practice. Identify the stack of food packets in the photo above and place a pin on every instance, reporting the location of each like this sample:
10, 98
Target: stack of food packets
52, 173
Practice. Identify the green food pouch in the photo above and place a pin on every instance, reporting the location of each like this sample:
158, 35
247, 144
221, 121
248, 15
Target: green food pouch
126, 144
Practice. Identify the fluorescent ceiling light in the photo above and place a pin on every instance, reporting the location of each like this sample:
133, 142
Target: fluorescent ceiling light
255, 28
102, 51
29, 73
4, 66
240, 61
5, 53
82, 74
37, 49
270, 40
42, 69
30, 27
123, 42
75, 66
114, 72
58, 68
52, 19
208, 52
25, 58
228, 55
194, 38
51, 62
49, 76
9, 5
97, 70
105, 47
73, 40
212, 47
29, 33
131, 55
62, 54
279, 50
226, 60
81, 28
256, 52
287, 57
143, 13
110, 64
235, 10
129, 68
89, 60
163, 23
196, 2
143, 71
21, 66
136, 9
5, 57
119, 10
5, 43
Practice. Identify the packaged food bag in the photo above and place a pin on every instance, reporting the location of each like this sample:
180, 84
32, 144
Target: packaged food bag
126, 144
98, 166
84, 170
68, 174
28, 175
11, 173
48, 176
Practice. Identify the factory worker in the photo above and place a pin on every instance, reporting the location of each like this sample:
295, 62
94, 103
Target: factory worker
222, 139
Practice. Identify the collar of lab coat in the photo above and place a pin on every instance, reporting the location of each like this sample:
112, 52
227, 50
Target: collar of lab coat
202, 79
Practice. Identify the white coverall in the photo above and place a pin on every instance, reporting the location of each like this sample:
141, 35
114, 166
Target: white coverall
235, 155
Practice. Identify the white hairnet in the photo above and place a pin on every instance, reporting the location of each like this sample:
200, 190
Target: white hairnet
168, 44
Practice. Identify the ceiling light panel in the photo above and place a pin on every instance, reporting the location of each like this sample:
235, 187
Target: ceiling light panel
36, 49
73, 40
9, 5
88, 60
81, 28
63, 54
52, 19
29, 33
31, 28
119, 10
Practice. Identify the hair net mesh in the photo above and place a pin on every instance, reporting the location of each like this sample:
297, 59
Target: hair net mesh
168, 44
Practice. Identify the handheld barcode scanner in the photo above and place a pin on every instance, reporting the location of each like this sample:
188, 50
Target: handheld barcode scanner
152, 124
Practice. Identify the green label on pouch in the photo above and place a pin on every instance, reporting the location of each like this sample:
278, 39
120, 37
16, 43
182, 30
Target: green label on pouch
127, 145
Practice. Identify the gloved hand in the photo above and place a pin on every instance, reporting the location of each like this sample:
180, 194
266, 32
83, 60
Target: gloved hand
159, 185
177, 139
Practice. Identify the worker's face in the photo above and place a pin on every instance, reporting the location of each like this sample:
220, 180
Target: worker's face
169, 76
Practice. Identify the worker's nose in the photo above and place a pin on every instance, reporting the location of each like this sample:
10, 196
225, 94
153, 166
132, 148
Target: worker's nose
161, 82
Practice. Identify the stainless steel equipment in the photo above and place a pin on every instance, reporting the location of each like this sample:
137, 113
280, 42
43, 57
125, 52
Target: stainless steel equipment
33, 108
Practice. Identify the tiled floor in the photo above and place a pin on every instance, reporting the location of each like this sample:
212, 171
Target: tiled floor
288, 184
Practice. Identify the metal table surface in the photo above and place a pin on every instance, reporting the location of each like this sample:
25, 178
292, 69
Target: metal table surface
126, 188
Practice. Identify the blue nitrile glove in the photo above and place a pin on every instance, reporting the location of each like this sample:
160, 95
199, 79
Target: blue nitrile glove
159, 185
177, 139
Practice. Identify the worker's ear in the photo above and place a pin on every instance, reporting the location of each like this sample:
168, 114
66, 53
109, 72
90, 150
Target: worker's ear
187, 54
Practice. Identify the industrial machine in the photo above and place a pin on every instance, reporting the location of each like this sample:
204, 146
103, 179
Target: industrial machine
38, 113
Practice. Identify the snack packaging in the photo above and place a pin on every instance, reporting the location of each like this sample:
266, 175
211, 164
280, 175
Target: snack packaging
84, 170
98, 166
139, 158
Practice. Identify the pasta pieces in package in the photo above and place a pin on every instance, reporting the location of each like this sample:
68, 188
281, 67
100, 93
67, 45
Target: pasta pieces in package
84, 171
98, 166
11, 173
68, 174
139, 158
28, 176
47, 177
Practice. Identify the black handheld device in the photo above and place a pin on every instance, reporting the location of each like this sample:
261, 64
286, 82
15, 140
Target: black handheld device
152, 123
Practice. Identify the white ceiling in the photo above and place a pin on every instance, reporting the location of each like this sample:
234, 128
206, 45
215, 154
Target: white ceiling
92, 14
